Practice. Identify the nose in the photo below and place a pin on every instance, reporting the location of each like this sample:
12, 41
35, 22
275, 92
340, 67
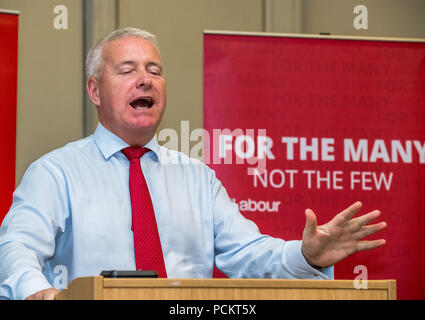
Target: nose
145, 82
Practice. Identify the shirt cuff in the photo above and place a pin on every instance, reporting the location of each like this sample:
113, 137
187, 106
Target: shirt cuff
294, 261
30, 284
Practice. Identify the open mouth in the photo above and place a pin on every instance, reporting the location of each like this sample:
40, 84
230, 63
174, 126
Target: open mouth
142, 103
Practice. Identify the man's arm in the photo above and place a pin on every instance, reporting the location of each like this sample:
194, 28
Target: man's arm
27, 234
241, 251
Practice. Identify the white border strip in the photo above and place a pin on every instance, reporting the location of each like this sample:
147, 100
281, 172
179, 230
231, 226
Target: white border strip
312, 36
10, 11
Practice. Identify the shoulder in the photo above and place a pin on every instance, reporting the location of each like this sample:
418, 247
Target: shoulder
65, 157
71, 149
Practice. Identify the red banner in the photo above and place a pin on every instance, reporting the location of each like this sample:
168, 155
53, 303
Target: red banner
8, 94
321, 123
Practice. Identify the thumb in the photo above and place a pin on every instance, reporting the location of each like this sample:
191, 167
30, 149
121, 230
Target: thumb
310, 223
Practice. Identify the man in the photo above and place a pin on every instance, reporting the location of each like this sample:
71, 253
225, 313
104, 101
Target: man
74, 208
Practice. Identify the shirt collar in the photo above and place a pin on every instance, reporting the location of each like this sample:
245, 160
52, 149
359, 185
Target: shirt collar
109, 143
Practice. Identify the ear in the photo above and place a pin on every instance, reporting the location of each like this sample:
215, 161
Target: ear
93, 90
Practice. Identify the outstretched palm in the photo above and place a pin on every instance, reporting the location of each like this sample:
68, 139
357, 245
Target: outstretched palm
332, 242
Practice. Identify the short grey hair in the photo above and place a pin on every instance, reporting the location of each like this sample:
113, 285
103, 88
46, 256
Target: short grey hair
94, 59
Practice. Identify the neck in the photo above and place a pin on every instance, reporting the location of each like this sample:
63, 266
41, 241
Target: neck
133, 138
141, 140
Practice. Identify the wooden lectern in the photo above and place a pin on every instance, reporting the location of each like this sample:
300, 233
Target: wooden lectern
100, 288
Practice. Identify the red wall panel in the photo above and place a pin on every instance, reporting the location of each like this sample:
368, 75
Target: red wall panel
353, 92
8, 98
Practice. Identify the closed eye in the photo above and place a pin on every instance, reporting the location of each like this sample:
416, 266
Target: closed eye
155, 72
125, 71
154, 69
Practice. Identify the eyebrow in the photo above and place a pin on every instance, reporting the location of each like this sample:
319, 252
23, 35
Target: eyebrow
129, 62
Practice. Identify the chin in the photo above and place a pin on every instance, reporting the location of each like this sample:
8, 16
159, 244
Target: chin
144, 128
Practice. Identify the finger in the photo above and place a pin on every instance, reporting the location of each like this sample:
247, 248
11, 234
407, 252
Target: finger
310, 223
343, 217
358, 223
369, 230
50, 295
367, 245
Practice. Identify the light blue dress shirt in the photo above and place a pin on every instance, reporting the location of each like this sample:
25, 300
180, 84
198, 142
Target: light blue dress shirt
71, 216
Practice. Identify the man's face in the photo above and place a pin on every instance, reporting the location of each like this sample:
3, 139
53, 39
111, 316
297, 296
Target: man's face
131, 89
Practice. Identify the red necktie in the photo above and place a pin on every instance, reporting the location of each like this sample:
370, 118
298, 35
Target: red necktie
147, 246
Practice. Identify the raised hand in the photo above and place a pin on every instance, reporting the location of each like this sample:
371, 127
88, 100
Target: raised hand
325, 245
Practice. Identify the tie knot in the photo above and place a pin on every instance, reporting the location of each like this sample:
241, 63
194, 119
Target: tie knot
134, 152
